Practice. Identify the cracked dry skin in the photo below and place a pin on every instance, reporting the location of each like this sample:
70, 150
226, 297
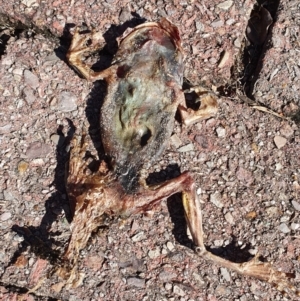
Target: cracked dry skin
137, 118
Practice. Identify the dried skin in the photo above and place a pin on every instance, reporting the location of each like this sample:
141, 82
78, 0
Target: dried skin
137, 119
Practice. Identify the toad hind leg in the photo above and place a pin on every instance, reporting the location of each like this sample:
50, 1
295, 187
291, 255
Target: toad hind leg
185, 184
253, 268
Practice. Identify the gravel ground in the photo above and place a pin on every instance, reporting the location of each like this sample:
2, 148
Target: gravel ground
245, 161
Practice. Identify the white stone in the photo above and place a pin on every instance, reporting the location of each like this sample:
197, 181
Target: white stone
31, 79
170, 246
215, 198
225, 274
175, 140
178, 291
224, 59
168, 286
280, 141
221, 132
5, 216
295, 226
138, 237
154, 253
29, 3
67, 102
284, 228
229, 218
186, 148
296, 205
225, 5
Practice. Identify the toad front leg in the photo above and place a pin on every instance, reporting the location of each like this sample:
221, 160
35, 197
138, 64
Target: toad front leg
83, 44
208, 107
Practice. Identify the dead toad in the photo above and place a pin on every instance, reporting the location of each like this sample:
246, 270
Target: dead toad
137, 118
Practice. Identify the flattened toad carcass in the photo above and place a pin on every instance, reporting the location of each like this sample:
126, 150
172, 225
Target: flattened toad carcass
137, 118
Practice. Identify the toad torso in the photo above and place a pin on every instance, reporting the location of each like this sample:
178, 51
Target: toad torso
137, 116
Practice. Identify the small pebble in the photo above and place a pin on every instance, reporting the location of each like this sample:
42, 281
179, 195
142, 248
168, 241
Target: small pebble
284, 218
31, 261
296, 205
21, 261
178, 291
222, 290
251, 215
168, 286
280, 141
137, 282
138, 237
29, 95
57, 139
203, 141
170, 246
67, 102
29, 3
125, 15
218, 242
17, 72
164, 251
198, 278
225, 5
38, 149
51, 58
22, 167
8, 196
186, 148
134, 226
154, 253
175, 140
5, 216
286, 130
296, 185
217, 23
253, 251
237, 43
295, 226
215, 198
229, 218
284, 228
224, 59
273, 211
31, 79
166, 276
225, 274
221, 132
5, 129
57, 287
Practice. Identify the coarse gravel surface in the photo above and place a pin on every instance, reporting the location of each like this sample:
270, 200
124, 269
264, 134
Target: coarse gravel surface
245, 160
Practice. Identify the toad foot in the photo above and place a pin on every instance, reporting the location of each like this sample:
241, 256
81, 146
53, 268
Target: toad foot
208, 107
